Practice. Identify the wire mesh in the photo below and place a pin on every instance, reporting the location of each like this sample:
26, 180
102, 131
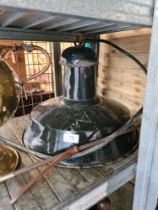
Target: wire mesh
42, 87
27, 64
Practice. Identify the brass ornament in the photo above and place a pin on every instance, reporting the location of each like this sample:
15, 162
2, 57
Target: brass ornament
10, 89
9, 160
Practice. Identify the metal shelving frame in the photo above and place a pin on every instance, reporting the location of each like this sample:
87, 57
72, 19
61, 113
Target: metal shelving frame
70, 20
67, 20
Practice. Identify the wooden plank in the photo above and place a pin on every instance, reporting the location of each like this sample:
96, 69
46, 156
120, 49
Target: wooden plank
146, 190
57, 181
74, 178
68, 185
132, 85
98, 190
138, 54
125, 91
10, 43
133, 44
130, 33
59, 184
120, 78
132, 103
130, 93
129, 75
14, 185
91, 175
41, 192
116, 61
4, 197
131, 88
77, 181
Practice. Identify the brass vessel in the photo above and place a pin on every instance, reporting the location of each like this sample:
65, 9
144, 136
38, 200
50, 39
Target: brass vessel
10, 84
9, 160
10, 88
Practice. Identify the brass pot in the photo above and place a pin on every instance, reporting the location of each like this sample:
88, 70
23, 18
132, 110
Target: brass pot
10, 88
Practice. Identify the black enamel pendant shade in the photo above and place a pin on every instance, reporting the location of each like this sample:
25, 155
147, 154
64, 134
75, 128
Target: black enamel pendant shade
79, 116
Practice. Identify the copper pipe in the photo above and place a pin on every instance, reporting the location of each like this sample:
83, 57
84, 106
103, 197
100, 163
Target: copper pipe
56, 159
84, 149
59, 158
27, 168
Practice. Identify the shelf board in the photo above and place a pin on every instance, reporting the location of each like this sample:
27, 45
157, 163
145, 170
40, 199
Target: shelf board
63, 188
71, 18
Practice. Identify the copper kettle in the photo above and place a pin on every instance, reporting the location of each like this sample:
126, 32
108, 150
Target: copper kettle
10, 84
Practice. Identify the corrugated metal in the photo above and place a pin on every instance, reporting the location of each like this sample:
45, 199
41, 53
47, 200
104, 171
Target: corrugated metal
72, 17
34, 20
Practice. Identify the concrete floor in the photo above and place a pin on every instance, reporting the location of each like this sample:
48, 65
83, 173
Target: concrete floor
121, 199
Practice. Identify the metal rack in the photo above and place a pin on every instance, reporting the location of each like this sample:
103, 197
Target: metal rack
67, 20
39, 89
70, 20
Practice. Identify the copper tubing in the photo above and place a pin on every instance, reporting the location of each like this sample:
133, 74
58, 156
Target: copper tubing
55, 161
26, 169
82, 150
35, 165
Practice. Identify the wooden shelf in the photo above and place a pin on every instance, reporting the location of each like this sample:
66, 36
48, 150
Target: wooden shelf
63, 188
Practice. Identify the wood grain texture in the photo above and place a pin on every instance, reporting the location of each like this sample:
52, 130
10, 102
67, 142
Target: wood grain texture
42, 192
49, 185
4, 197
14, 185
61, 187
123, 34
119, 77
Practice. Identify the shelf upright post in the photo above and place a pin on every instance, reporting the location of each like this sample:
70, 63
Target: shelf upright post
57, 69
146, 189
